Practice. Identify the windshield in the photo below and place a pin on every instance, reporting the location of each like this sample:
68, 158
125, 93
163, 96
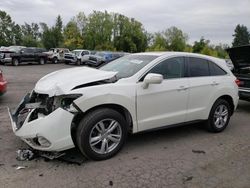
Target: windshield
128, 65
77, 53
100, 54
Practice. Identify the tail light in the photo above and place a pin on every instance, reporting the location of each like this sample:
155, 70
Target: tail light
237, 81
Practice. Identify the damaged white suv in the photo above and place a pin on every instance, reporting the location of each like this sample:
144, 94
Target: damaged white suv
94, 109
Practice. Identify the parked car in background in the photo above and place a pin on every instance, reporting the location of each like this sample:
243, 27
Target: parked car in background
76, 56
240, 57
5, 53
3, 83
103, 57
56, 55
30, 54
94, 109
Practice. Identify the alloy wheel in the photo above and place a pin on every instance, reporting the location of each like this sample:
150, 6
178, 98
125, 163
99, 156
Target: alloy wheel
105, 136
221, 116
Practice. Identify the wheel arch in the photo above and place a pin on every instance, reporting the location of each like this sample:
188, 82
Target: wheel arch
229, 99
119, 108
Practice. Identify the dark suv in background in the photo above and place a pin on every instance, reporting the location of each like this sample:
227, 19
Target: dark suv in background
103, 57
30, 54
240, 57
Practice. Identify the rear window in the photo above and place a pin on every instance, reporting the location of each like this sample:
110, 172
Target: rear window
215, 70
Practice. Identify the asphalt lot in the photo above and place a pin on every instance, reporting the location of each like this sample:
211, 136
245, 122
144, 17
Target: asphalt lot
177, 157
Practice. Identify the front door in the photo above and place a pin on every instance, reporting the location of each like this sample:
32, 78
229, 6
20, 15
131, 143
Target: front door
166, 103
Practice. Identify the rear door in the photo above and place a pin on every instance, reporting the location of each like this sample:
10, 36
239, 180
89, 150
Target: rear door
201, 87
27, 54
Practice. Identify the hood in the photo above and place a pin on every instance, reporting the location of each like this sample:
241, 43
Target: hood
240, 56
63, 81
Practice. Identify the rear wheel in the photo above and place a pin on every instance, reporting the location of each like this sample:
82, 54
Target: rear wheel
15, 62
101, 134
219, 116
41, 61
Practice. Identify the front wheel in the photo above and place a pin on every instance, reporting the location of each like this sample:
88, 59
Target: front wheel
15, 62
219, 116
101, 134
78, 62
55, 60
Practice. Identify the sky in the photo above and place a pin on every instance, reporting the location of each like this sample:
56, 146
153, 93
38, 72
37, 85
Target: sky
213, 19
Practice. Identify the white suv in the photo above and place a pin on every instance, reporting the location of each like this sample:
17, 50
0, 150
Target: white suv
95, 109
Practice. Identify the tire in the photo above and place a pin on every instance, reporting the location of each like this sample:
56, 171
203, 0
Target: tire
219, 116
41, 61
55, 60
78, 62
15, 62
101, 123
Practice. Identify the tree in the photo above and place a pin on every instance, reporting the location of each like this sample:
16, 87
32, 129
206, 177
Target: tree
200, 45
98, 31
6, 26
52, 37
31, 34
129, 34
57, 32
241, 36
159, 43
72, 36
175, 38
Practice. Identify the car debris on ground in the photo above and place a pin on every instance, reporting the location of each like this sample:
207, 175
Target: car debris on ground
71, 156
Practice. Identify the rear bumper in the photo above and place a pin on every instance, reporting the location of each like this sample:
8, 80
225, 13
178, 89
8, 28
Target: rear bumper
55, 128
244, 94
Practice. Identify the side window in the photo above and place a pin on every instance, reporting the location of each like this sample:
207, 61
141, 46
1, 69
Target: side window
170, 68
198, 67
215, 70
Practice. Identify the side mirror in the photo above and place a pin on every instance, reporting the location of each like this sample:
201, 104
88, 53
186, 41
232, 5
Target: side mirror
152, 78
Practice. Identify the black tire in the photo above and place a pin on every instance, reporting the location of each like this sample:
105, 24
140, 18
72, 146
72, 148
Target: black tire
78, 62
87, 128
217, 120
41, 61
55, 60
15, 62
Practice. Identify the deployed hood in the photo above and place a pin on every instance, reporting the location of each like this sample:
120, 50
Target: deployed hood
240, 56
63, 81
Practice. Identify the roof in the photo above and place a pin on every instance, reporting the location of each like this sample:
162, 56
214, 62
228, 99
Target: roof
171, 53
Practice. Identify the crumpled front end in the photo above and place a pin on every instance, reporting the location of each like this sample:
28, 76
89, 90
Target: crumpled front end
44, 122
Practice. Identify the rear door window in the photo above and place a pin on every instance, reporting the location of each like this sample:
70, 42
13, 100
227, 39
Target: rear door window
198, 67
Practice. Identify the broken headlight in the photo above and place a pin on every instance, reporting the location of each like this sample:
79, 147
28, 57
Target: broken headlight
67, 100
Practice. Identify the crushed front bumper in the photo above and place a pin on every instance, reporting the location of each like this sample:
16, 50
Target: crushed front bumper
47, 133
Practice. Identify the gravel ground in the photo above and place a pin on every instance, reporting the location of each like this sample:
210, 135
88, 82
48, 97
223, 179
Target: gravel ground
177, 157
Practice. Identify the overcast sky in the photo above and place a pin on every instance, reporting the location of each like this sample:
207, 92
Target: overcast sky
213, 19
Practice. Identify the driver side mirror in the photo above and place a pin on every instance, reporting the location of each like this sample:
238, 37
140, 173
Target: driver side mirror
152, 78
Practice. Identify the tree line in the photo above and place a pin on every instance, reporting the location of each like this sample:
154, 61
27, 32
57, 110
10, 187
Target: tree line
108, 31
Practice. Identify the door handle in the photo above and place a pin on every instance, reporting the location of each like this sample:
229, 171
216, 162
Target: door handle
182, 88
214, 83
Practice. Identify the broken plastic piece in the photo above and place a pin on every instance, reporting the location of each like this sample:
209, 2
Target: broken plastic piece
20, 167
51, 155
24, 154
